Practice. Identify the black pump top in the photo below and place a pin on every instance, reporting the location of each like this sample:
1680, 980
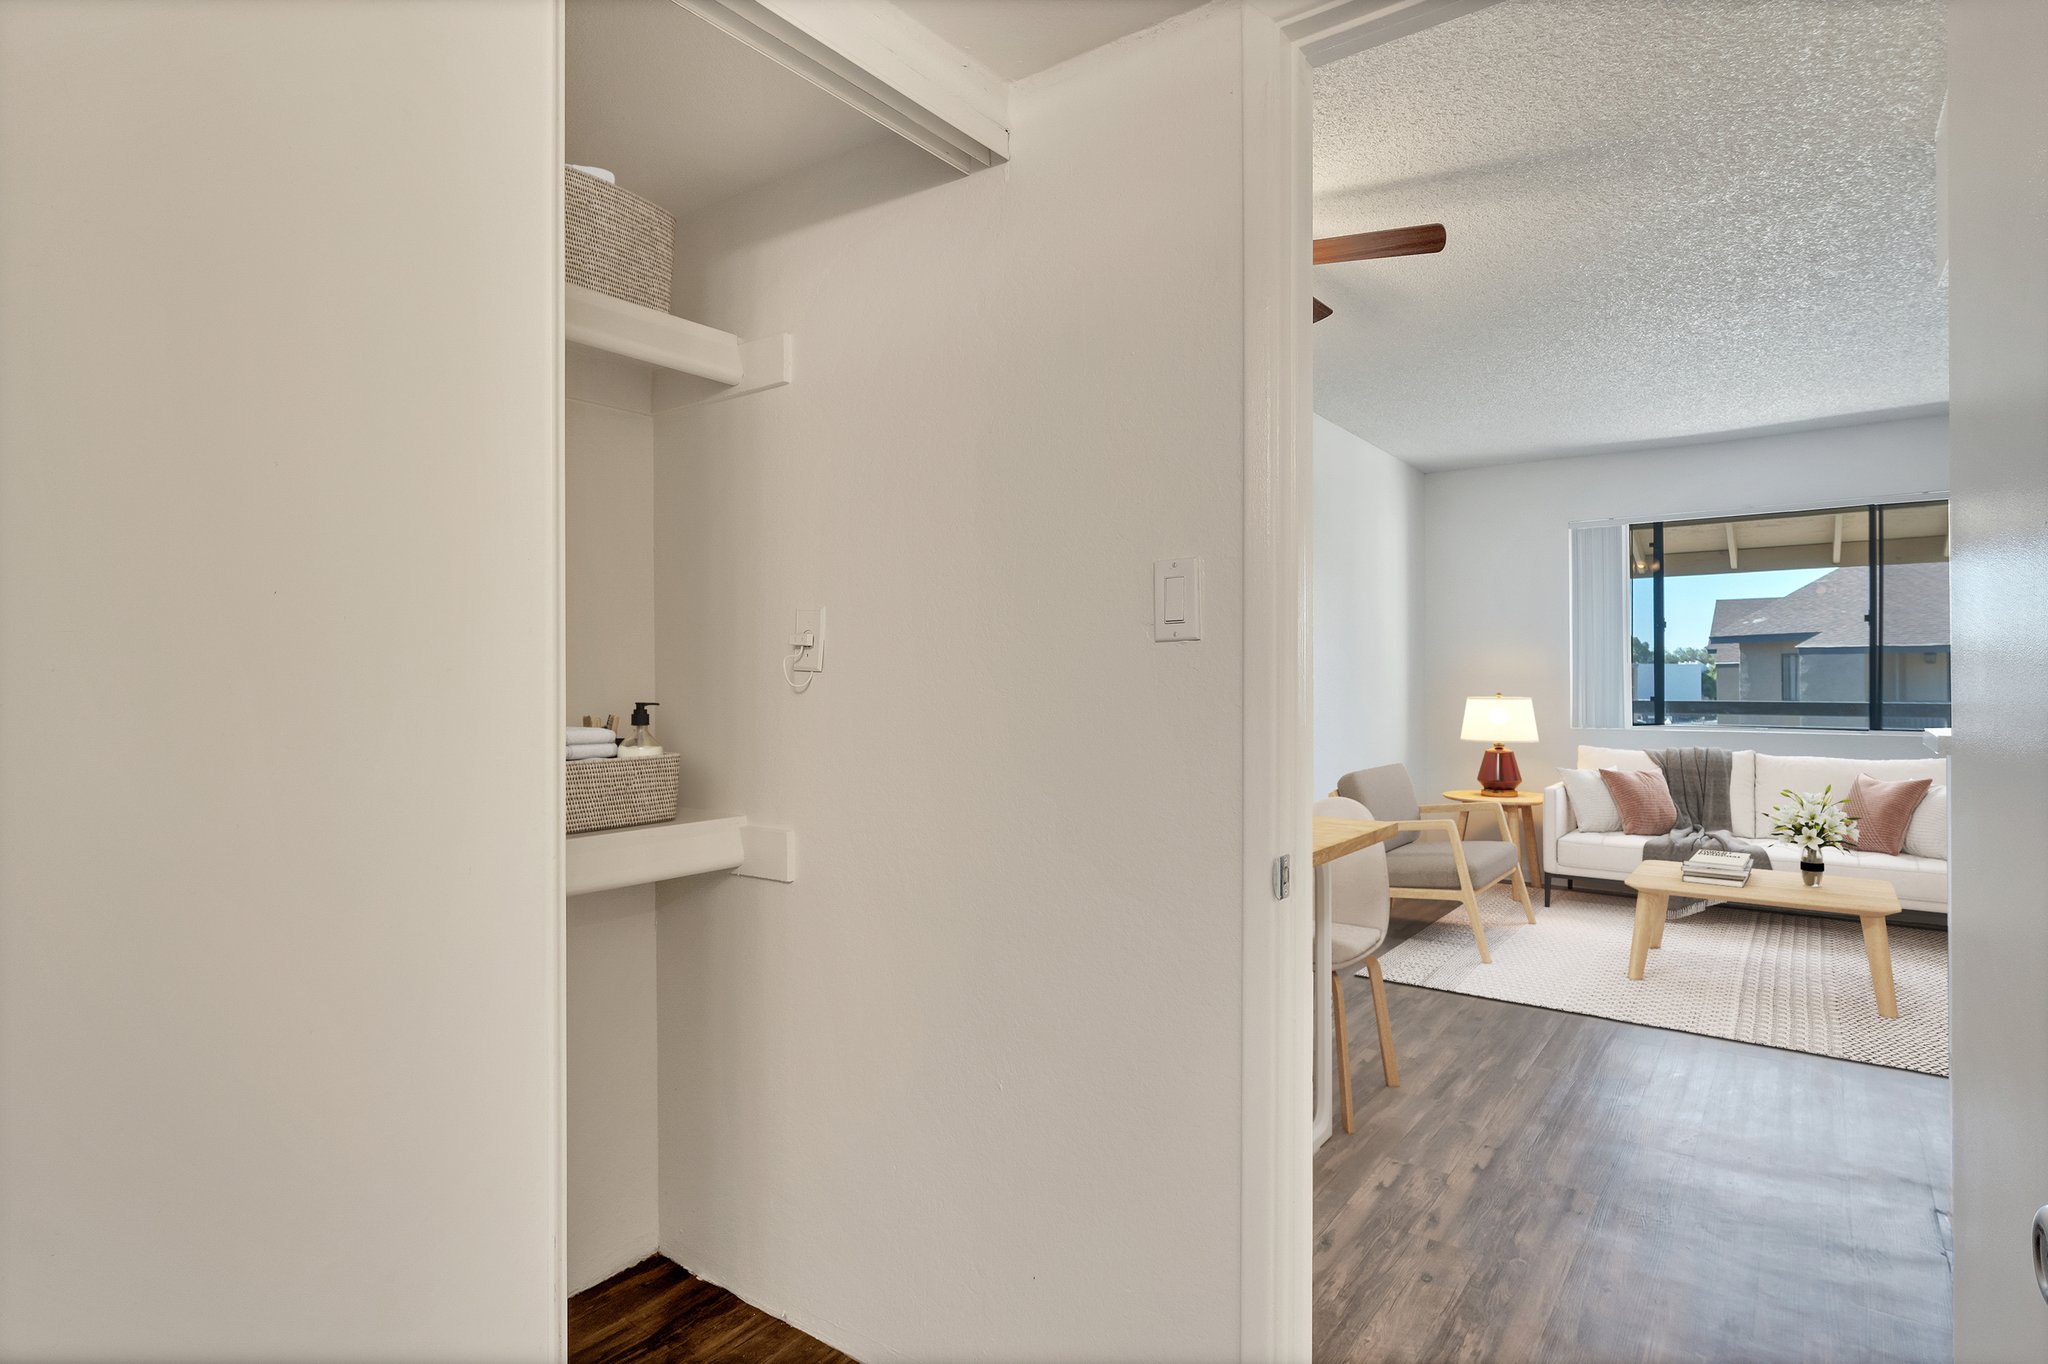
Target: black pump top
640, 715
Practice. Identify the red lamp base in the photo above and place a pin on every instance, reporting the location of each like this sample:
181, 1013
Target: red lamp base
1498, 770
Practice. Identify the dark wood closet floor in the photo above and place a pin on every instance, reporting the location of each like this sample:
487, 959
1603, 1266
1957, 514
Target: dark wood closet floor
656, 1313
1546, 1186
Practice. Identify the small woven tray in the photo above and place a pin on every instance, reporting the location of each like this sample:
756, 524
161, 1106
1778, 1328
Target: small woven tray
612, 793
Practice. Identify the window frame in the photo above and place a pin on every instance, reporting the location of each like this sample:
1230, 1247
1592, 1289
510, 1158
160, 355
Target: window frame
1873, 617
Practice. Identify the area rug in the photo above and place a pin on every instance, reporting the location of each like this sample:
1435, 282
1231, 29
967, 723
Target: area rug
1776, 980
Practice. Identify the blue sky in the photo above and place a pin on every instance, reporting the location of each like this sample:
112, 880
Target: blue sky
1689, 601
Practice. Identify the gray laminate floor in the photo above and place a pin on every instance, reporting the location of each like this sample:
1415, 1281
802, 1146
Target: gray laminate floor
1546, 1186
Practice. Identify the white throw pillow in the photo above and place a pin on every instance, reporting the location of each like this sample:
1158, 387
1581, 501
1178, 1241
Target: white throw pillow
1593, 808
1927, 835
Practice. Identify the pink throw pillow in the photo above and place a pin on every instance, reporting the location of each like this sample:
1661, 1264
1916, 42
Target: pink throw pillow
1883, 810
1644, 800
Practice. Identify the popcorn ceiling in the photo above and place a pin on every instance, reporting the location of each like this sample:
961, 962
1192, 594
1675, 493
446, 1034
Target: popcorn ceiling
1667, 218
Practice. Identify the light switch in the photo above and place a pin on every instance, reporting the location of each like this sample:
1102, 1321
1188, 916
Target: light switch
1176, 599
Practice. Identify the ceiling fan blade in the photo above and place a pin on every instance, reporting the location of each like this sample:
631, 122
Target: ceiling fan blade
1394, 241
1318, 310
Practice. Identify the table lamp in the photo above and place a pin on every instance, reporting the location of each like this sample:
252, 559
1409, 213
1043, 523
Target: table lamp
1499, 720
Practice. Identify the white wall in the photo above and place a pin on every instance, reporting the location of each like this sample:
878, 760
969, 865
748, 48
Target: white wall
614, 1208
1368, 575
608, 478
278, 511
969, 1088
1496, 582
1998, 939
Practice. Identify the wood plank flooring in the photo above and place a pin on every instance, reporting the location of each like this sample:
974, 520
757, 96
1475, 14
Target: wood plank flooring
656, 1313
1545, 1186
1550, 1187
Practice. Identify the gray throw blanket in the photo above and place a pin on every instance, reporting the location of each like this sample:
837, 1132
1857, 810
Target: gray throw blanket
1698, 778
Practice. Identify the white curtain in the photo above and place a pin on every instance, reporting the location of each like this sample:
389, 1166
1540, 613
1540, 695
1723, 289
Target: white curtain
1600, 627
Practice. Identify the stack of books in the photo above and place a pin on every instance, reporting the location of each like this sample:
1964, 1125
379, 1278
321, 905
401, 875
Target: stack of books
1718, 868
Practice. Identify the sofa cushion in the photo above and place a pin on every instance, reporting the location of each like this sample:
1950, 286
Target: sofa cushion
1592, 808
1776, 774
1427, 864
1927, 835
1883, 810
1917, 879
1592, 759
1644, 800
1613, 854
1742, 806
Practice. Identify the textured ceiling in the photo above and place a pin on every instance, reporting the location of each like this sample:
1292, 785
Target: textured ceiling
1667, 218
1018, 38
646, 78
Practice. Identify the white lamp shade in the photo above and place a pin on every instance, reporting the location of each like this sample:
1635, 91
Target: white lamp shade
1499, 720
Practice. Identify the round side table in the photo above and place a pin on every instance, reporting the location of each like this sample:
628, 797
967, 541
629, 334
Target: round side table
1524, 801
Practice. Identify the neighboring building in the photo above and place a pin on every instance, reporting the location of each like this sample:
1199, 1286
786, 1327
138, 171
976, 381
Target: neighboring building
1682, 681
1812, 646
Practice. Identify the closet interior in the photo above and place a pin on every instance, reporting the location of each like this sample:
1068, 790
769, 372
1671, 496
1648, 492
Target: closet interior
683, 107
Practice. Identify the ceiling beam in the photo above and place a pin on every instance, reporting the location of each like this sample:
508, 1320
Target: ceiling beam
1733, 562
877, 59
1330, 30
1838, 537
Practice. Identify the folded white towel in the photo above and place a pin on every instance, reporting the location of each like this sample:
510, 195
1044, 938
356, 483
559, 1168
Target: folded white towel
591, 734
578, 752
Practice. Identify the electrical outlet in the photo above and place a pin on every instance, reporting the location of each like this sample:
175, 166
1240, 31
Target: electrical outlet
810, 630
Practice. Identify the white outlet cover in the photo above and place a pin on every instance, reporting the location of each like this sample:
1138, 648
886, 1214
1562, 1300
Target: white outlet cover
810, 619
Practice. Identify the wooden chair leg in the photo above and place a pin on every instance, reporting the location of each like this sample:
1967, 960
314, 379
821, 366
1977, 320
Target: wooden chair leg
1471, 900
1388, 1065
1343, 1046
1522, 894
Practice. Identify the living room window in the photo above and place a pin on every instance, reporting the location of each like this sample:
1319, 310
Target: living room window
1829, 619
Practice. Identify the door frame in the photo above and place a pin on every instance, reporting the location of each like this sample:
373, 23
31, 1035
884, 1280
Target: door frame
1277, 1189
1283, 1009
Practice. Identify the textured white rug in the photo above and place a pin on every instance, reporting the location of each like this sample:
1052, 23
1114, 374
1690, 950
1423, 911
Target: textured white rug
1778, 980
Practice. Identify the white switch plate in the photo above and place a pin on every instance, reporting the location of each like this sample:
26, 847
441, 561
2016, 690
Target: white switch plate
1176, 599
809, 620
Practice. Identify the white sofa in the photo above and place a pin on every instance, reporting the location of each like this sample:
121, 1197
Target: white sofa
1755, 783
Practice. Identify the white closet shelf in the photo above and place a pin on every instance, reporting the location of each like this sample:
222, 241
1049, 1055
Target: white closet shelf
695, 841
676, 344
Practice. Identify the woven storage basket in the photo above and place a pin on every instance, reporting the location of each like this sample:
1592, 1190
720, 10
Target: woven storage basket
611, 793
616, 242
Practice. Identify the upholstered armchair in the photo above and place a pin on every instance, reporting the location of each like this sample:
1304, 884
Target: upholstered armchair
1443, 852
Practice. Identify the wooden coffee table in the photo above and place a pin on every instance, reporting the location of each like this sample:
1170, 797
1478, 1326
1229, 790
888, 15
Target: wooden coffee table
1871, 901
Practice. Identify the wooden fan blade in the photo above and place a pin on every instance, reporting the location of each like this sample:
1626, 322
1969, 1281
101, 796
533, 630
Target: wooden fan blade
1394, 241
1318, 310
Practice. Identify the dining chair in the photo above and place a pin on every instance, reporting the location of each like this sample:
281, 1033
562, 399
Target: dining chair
1474, 854
1359, 910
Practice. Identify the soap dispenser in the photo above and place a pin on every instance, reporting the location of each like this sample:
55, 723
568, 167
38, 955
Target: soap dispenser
640, 744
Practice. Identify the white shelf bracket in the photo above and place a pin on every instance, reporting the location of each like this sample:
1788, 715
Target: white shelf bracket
765, 362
